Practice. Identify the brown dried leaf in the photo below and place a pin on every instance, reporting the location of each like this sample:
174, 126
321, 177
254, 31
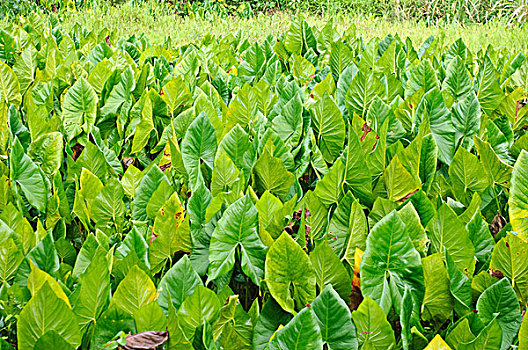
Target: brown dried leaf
146, 340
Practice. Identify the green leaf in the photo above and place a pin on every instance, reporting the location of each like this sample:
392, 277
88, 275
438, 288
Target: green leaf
438, 303
10, 258
489, 338
177, 284
447, 232
334, 319
28, 176
302, 332
54, 340
173, 233
134, 292
423, 76
145, 191
460, 287
364, 88
150, 318
489, 92
198, 145
348, 228
271, 175
510, 257
518, 201
465, 173
523, 335
43, 313
330, 270
236, 234
466, 115
499, 303
79, 109
46, 151
329, 128
108, 207
201, 306
457, 81
432, 108
272, 316
372, 326
287, 266
390, 253
498, 172
111, 322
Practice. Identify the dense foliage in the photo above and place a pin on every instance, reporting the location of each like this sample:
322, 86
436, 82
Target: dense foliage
308, 191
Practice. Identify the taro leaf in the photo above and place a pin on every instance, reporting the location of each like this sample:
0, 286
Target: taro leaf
86, 254
465, 173
79, 109
348, 228
198, 145
447, 232
133, 251
271, 175
489, 338
93, 292
357, 175
131, 180
146, 340
243, 107
108, 207
225, 174
481, 237
145, 126
46, 151
423, 77
201, 306
411, 219
43, 313
271, 318
288, 124
172, 233
328, 127
201, 236
523, 335
177, 284
461, 333
518, 202
145, 191
363, 90
330, 270
433, 108
372, 326
150, 318
437, 344
109, 325
134, 291
233, 325
10, 258
28, 176
466, 119
489, 92
458, 81
438, 303
390, 254
460, 287
37, 278
293, 39
498, 172
510, 258
398, 181
302, 332
288, 267
499, 303
335, 321
329, 189
236, 234
53, 340
44, 255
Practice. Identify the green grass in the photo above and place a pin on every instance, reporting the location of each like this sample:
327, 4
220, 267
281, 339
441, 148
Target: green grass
157, 21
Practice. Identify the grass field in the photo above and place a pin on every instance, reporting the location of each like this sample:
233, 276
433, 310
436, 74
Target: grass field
157, 21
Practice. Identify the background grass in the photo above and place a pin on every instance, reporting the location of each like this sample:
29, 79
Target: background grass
157, 20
